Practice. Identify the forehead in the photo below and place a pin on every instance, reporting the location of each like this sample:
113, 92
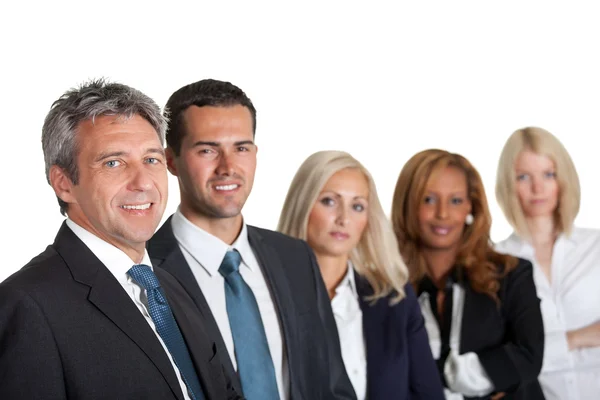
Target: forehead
348, 180
447, 179
105, 129
528, 159
211, 123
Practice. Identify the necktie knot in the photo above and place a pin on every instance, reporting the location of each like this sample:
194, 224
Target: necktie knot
144, 276
231, 263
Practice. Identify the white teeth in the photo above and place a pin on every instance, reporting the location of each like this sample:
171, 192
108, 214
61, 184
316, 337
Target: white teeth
137, 207
226, 187
441, 231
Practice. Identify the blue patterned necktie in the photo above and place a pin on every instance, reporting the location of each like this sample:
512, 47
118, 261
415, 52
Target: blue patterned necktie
167, 327
255, 365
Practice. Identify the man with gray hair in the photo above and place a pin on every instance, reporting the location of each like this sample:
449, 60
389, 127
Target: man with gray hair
89, 317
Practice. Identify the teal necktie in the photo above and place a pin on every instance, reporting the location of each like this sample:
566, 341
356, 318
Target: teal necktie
255, 365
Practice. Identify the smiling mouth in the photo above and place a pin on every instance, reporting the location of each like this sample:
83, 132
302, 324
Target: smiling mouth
142, 207
227, 188
441, 230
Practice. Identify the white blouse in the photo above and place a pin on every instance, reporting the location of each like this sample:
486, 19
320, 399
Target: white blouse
348, 318
571, 301
464, 373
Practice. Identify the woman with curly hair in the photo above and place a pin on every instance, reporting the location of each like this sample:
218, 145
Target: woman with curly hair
481, 311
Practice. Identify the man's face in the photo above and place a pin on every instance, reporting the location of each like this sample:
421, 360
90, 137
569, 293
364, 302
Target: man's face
122, 189
217, 161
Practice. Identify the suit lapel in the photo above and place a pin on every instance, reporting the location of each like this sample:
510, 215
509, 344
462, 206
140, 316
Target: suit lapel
272, 268
165, 253
108, 296
202, 349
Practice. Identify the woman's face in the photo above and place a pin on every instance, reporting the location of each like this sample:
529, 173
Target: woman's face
339, 216
536, 185
444, 209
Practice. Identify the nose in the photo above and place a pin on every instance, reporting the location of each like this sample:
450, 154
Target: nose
442, 210
342, 216
140, 179
225, 167
537, 185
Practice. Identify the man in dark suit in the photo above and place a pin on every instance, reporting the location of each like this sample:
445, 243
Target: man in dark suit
88, 318
261, 290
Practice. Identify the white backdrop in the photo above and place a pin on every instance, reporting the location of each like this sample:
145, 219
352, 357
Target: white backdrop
381, 80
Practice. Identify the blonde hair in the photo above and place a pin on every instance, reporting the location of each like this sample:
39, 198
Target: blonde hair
544, 143
483, 266
376, 257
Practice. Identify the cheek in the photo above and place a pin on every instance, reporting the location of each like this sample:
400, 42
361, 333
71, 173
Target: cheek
425, 214
317, 222
522, 191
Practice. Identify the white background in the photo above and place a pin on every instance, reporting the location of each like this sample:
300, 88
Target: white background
381, 80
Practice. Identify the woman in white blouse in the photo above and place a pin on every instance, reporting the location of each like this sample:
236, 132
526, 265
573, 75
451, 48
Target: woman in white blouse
332, 203
538, 189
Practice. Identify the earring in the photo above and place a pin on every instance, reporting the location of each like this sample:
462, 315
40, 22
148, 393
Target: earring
469, 219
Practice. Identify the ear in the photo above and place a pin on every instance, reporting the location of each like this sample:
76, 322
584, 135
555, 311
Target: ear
62, 184
171, 164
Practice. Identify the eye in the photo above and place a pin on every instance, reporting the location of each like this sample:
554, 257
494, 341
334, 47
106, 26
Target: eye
205, 151
550, 174
152, 160
522, 177
112, 163
243, 149
429, 200
457, 200
358, 207
327, 201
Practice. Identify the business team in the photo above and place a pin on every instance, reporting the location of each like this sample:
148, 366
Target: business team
341, 303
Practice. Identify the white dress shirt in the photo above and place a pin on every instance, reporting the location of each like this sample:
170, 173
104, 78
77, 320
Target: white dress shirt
570, 301
118, 263
204, 254
348, 318
464, 373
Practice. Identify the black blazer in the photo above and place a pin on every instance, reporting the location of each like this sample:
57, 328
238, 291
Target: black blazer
508, 340
316, 369
399, 361
68, 330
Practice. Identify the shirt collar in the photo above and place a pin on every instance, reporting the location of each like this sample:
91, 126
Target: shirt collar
208, 250
348, 282
113, 258
523, 248
456, 275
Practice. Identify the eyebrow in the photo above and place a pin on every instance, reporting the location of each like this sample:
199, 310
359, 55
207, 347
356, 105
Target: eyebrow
110, 154
339, 195
218, 144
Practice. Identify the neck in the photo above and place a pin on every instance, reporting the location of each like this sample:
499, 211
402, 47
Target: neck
226, 229
333, 269
135, 251
439, 264
542, 230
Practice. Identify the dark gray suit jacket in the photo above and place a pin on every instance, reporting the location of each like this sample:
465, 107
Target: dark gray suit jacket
310, 336
68, 330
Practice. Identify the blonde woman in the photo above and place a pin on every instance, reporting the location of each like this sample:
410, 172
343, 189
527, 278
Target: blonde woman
481, 312
332, 204
538, 189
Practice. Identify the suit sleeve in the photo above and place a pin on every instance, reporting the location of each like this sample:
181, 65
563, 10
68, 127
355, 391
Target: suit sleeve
339, 386
30, 364
425, 382
520, 358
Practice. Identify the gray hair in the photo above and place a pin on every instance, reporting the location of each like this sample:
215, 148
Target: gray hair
90, 100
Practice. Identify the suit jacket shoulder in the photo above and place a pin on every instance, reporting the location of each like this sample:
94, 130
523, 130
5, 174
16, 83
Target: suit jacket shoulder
70, 330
